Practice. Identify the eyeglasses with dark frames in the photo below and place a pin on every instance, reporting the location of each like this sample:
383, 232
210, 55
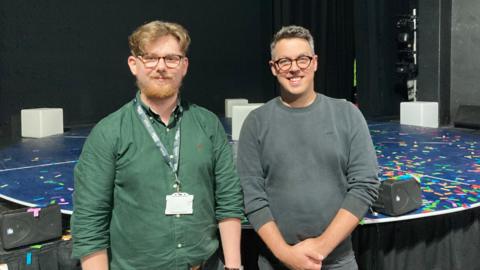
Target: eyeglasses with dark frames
285, 64
170, 60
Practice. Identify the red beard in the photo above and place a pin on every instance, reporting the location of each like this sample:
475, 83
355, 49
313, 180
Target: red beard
155, 91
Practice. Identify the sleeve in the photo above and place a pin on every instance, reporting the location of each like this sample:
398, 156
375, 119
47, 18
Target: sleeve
93, 195
228, 192
251, 174
362, 167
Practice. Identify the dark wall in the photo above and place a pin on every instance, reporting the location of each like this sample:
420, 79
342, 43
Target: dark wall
449, 55
465, 63
73, 54
434, 50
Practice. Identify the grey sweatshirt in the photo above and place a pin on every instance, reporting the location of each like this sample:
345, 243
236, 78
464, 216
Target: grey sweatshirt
299, 166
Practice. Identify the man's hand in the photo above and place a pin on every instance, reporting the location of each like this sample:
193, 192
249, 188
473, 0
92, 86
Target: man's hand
302, 256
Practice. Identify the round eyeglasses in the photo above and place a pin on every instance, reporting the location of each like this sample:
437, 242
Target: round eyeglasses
170, 60
285, 64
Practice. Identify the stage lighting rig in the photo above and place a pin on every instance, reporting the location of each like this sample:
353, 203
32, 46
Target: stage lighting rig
407, 22
406, 64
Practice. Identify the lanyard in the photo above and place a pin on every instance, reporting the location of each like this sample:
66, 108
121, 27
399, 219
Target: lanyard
171, 160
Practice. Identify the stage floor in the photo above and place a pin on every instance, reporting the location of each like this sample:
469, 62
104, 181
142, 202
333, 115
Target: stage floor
446, 161
38, 172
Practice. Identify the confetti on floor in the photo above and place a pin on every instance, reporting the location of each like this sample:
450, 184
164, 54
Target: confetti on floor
446, 162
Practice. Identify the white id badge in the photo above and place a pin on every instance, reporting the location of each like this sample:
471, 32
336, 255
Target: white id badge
179, 203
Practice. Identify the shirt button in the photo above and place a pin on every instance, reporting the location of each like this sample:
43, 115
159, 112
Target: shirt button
168, 129
179, 245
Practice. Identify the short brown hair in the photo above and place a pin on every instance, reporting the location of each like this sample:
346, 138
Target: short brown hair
151, 31
291, 31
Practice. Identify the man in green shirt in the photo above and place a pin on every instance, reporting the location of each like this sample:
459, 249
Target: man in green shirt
156, 177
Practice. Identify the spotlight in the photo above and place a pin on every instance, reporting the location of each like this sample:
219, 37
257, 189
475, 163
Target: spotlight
404, 37
406, 69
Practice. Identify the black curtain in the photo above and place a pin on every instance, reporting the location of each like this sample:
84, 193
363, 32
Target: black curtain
345, 30
445, 242
331, 24
380, 89
73, 54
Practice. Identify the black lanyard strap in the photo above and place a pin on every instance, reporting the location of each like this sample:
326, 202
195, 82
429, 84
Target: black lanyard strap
173, 159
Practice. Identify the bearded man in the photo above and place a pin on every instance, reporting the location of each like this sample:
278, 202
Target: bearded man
156, 178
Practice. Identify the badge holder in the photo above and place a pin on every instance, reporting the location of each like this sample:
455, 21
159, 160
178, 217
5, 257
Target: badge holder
179, 203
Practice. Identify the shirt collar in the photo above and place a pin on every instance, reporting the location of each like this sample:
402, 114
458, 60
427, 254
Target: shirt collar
177, 111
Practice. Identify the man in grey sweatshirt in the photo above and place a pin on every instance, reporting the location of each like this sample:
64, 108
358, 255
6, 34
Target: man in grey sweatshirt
307, 165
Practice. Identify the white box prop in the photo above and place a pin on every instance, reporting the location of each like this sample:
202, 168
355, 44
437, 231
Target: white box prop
419, 113
239, 113
230, 102
41, 122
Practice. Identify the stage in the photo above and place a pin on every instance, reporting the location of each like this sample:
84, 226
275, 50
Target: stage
39, 172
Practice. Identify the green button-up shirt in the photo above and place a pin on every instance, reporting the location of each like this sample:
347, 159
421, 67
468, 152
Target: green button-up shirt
122, 180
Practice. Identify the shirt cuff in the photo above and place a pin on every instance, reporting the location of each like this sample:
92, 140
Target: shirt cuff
355, 206
258, 218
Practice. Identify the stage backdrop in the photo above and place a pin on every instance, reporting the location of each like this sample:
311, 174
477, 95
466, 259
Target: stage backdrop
73, 54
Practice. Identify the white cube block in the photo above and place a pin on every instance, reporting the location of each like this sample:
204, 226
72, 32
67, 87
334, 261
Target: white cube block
419, 113
239, 113
230, 102
41, 122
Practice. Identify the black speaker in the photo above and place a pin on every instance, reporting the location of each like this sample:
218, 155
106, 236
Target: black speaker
467, 117
398, 196
27, 226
